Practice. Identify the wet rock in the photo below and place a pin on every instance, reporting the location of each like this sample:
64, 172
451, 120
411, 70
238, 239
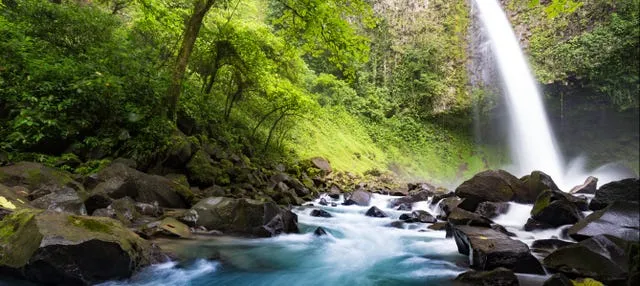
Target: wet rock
489, 249
544, 247
502, 229
334, 192
588, 187
375, 212
438, 197
174, 227
319, 232
118, 181
361, 198
627, 190
57, 248
438, 226
447, 205
533, 224
491, 186
61, 200
535, 183
323, 202
320, 213
605, 258
418, 216
410, 199
558, 279
404, 207
555, 209
492, 210
334, 204
244, 217
396, 224
497, 277
462, 217
619, 219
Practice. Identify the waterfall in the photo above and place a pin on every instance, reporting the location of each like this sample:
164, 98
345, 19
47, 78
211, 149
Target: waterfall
531, 139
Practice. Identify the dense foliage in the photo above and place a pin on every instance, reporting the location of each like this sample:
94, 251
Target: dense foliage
368, 84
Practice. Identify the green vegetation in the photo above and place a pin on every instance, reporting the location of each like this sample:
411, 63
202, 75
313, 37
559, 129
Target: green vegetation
373, 86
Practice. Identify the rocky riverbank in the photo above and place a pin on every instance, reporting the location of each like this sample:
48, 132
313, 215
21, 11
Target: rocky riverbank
59, 228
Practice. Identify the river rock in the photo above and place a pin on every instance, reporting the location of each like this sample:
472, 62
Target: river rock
627, 190
462, 217
555, 209
118, 181
320, 213
605, 258
447, 205
496, 277
412, 198
244, 217
396, 224
404, 207
319, 232
588, 187
492, 210
489, 249
438, 226
558, 279
61, 200
9, 200
533, 224
492, 186
375, 212
361, 198
38, 180
619, 219
544, 247
535, 183
419, 216
438, 197
57, 248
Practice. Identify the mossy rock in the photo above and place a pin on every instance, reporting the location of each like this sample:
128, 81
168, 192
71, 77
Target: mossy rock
200, 170
55, 248
10, 200
179, 151
35, 176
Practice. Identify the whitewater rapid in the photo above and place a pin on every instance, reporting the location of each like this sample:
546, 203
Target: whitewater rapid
358, 250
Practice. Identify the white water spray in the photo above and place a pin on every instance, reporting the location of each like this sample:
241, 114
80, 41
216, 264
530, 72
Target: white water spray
531, 139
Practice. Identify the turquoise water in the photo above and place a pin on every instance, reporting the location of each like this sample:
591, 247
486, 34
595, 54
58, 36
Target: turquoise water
359, 251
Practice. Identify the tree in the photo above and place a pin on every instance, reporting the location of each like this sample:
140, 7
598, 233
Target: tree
191, 30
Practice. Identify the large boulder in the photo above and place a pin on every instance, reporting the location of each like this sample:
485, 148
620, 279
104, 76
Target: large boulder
10, 200
605, 258
38, 179
489, 249
627, 190
555, 208
118, 181
56, 248
360, 198
588, 187
61, 200
536, 182
202, 173
620, 219
497, 277
544, 247
492, 186
244, 217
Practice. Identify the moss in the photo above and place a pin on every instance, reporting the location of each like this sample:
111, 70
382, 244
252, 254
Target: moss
19, 238
200, 170
543, 200
586, 282
92, 167
91, 224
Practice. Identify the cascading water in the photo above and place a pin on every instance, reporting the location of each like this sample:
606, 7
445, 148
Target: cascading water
531, 139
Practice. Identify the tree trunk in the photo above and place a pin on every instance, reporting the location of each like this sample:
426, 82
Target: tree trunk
191, 30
